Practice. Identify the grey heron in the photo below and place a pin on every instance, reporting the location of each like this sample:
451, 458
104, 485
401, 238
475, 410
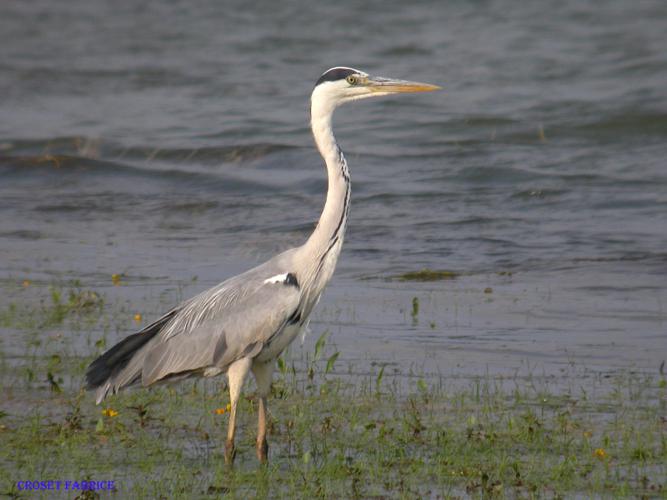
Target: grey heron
246, 322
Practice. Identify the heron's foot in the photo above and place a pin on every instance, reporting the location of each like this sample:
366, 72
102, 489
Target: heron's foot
263, 451
230, 452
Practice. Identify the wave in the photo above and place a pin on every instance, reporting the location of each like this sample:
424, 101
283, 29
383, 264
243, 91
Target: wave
120, 177
628, 124
77, 157
100, 149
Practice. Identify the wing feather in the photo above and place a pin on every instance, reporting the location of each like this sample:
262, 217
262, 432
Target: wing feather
222, 331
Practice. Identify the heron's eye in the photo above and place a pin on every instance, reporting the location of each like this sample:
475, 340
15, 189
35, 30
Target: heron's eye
352, 80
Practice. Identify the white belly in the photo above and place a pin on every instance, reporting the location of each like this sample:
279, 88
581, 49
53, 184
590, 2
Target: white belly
278, 343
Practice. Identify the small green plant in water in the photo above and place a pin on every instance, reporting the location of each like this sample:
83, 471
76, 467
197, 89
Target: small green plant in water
428, 275
378, 379
415, 310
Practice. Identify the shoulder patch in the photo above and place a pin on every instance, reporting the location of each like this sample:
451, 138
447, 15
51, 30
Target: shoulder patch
291, 280
278, 278
285, 279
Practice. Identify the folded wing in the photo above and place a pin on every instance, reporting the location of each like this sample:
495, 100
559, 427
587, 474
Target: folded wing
204, 335
240, 329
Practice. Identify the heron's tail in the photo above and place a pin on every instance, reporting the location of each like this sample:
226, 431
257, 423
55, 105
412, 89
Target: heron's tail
121, 365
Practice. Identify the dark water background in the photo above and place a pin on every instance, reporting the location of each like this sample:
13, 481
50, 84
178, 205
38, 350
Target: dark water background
167, 140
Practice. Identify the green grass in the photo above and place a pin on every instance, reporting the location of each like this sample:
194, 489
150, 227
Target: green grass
332, 434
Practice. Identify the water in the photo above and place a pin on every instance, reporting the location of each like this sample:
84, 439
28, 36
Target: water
168, 140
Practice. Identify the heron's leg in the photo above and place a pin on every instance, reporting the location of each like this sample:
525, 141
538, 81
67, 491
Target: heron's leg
263, 373
236, 374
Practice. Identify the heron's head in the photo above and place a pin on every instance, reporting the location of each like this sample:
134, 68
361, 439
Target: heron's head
339, 85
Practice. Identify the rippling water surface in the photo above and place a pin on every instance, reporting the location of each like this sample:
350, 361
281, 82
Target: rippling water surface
168, 140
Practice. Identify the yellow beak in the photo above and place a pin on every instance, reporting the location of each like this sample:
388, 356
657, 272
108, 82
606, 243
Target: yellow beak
392, 86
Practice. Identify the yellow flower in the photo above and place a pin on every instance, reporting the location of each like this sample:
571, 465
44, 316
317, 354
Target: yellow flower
109, 412
115, 279
222, 411
137, 318
26, 283
600, 453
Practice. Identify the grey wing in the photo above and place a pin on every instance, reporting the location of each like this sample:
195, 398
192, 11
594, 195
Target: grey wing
216, 329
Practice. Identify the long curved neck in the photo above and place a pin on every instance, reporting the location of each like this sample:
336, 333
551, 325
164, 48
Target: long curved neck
331, 226
318, 256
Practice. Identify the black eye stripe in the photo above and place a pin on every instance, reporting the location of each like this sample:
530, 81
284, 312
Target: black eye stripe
335, 74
